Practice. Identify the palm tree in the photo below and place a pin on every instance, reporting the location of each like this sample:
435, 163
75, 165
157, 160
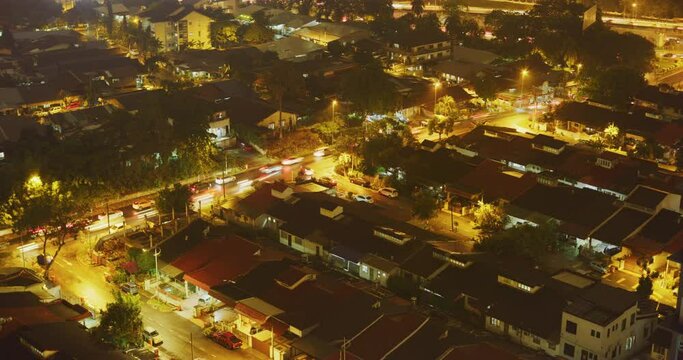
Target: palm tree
283, 79
418, 7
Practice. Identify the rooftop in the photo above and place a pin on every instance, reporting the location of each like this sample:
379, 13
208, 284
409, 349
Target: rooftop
646, 197
621, 225
601, 304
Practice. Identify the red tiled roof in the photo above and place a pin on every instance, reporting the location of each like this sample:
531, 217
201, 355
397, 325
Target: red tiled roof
251, 313
495, 184
216, 260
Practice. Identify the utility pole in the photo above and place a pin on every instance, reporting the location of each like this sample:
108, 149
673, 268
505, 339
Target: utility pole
106, 205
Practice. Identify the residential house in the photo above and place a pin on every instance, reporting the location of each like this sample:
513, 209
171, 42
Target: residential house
465, 65
668, 336
661, 104
178, 26
119, 11
71, 122
326, 32
284, 23
293, 49
416, 48
603, 322
207, 65
559, 314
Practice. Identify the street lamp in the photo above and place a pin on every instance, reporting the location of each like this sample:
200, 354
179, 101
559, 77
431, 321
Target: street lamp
525, 73
635, 10
437, 85
334, 103
35, 180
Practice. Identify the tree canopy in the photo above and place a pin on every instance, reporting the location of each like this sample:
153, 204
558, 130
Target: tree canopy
369, 89
121, 323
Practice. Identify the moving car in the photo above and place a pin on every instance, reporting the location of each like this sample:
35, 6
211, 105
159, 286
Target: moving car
292, 160
599, 267
363, 198
151, 336
117, 226
326, 181
269, 169
320, 152
143, 204
199, 187
227, 339
112, 215
389, 192
225, 180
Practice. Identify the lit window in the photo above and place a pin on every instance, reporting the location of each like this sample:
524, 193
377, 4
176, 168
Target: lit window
364, 268
495, 322
629, 342
526, 288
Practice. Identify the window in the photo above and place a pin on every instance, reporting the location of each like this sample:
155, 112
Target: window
623, 324
629, 342
495, 322
595, 333
633, 318
298, 240
570, 327
526, 288
537, 340
569, 349
608, 331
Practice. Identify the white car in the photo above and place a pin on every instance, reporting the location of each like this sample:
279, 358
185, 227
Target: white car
389, 192
112, 215
307, 171
292, 160
225, 180
143, 204
363, 198
151, 336
245, 183
270, 169
320, 152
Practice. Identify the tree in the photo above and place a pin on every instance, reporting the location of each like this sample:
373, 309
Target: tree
486, 87
109, 18
175, 198
425, 204
121, 323
369, 89
224, 34
257, 34
490, 219
611, 136
294, 143
616, 86
445, 117
526, 241
644, 289
418, 7
284, 80
144, 259
48, 209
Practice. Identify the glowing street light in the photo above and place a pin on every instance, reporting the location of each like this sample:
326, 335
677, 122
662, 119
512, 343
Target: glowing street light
437, 85
635, 9
525, 73
334, 104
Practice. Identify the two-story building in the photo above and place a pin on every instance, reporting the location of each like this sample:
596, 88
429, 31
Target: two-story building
415, 48
178, 27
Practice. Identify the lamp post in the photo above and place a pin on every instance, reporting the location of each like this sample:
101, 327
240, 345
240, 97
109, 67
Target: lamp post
437, 85
635, 10
334, 104
525, 73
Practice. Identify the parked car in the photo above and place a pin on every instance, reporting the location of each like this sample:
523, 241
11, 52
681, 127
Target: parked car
269, 169
117, 226
151, 336
306, 171
129, 288
599, 267
363, 198
326, 181
143, 204
225, 180
360, 181
389, 192
246, 147
227, 339
292, 160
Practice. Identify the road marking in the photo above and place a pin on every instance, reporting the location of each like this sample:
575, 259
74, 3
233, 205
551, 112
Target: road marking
621, 280
68, 262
